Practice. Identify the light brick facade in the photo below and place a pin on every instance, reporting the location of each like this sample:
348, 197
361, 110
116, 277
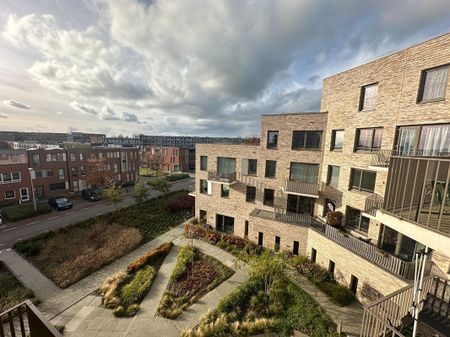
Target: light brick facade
399, 79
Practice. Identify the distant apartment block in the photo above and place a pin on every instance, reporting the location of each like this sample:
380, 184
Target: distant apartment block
59, 171
52, 137
168, 159
379, 152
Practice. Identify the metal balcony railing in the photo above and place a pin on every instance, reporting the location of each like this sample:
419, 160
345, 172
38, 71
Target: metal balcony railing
374, 202
283, 216
301, 188
26, 320
382, 157
226, 177
371, 253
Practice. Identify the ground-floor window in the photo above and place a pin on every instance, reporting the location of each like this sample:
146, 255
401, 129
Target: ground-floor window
225, 223
10, 194
277, 243
203, 217
313, 255
246, 229
57, 186
355, 219
24, 196
353, 284
40, 191
295, 248
260, 239
331, 266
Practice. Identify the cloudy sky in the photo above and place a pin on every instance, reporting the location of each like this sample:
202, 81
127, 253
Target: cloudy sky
188, 67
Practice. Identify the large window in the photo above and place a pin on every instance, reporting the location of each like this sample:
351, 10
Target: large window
424, 140
250, 193
249, 166
306, 140
57, 186
10, 194
333, 175
268, 197
55, 157
271, 168
362, 180
272, 139
61, 173
368, 139
44, 173
226, 165
35, 160
203, 163
306, 173
337, 139
368, 98
300, 204
433, 84
13, 177
355, 219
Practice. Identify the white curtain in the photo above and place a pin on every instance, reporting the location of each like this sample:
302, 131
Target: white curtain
435, 140
435, 84
406, 141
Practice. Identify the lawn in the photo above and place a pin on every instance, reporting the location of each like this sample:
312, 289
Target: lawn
12, 292
267, 302
194, 275
168, 178
70, 253
25, 210
124, 291
146, 172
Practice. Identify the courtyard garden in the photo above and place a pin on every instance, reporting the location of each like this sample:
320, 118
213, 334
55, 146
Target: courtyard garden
245, 250
70, 253
267, 302
194, 275
124, 291
12, 292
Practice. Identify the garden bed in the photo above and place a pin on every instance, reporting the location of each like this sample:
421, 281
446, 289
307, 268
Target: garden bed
12, 291
194, 275
124, 291
70, 253
25, 210
267, 302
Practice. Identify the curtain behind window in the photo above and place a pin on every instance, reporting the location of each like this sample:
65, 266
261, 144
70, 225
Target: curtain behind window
435, 140
435, 84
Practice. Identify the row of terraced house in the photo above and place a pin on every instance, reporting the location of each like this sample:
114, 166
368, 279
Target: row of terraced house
378, 151
61, 171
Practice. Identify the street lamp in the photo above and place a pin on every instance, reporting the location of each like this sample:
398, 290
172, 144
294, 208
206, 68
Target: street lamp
32, 177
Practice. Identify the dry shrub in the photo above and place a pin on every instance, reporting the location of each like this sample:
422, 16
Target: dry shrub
109, 290
151, 257
82, 251
201, 232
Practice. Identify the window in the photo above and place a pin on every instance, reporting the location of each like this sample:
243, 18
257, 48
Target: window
203, 163
83, 170
16, 176
355, 219
337, 139
306, 173
434, 140
61, 173
260, 239
73, 172
368, 98
35, 160
362, 180
295, 248
299, 204
225, 191
433, 84
333, 175
226, 166
313, 255
82, 156
272, 139
6, 177
306, 140
277, 243
44, 173
250, 194
57, 186
203, 186
10, 194
268, 197
331, 266
246, 229
249, 166
368, 139
72, 156
271, 168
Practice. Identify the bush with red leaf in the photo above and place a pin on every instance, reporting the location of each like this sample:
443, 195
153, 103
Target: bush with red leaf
201, 232
181, 203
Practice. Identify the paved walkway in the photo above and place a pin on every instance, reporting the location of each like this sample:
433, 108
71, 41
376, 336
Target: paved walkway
94, 321
349, 316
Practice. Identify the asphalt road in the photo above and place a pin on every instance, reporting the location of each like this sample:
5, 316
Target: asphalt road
13, 232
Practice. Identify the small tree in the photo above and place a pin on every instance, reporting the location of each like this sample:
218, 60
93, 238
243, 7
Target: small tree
270, 268
97, 172
140, 192
112, 193
162, 186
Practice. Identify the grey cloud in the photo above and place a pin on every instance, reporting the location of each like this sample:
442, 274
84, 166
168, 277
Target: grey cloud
3, 115
16, 104
105, 113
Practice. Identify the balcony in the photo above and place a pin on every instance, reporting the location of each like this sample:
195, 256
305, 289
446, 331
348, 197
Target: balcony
369, 252
283, 216
301, 188
26, 320
417, 190
374, 202
224, 178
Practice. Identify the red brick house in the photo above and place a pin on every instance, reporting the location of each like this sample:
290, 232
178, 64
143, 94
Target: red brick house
14, 176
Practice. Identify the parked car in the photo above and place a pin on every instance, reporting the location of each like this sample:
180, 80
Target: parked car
90, 194
2, 217
60, 203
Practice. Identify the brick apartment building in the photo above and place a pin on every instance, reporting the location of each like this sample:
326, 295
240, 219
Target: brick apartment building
14, 176
168, 159
63, 171
379, 152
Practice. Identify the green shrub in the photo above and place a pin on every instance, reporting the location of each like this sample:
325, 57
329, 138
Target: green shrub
132, 310
137, 288
177, 176
187, 253
28, 248
60, 328
338, 294
239, 299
